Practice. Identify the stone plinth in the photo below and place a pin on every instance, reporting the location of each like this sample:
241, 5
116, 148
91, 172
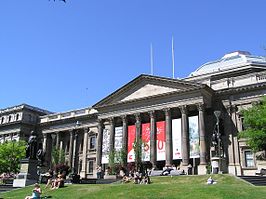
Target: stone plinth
28, 173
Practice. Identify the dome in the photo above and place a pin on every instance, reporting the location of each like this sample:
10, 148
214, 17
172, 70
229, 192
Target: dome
230, 61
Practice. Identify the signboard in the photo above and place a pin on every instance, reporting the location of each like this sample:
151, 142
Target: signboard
176, 138
146, 142
131, 139
160, 140
105, 146
194, 137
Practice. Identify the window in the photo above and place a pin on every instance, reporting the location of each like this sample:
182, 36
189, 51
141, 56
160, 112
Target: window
92, 142
2, 120
249, 159
17, 117
90, 166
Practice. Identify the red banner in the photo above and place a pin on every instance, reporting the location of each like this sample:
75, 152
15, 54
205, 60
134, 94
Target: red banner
131, 139
160, 140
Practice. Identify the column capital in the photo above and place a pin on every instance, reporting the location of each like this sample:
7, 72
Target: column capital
44, 135
152, 113
201, 106
137, 116
231, 109
167, 111
86, 129
111, 120
124, 118
183, 109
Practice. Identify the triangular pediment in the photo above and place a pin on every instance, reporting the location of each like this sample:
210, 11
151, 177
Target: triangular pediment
146, 86
149, 90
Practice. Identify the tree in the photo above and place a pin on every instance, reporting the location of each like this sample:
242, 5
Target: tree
11, 153
58, 156
137, 146
255, 126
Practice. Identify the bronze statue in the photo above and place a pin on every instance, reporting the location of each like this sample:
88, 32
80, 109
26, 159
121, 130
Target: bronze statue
31, 148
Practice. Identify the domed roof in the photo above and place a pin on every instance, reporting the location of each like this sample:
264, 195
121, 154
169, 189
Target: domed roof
230, 61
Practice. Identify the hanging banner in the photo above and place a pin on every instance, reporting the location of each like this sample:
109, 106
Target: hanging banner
160, 140
146, 142
118, 138
194, 137
105, 146
131, 139
176, 138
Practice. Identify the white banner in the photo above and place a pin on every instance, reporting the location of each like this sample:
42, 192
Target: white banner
105, 146
176, 137
118, 138
194, 137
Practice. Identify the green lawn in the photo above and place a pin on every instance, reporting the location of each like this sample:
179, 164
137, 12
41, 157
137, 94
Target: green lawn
162, 187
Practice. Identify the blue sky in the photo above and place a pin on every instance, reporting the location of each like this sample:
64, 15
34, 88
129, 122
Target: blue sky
63, 56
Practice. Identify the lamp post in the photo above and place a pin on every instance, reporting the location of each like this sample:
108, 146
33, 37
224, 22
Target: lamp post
218, 135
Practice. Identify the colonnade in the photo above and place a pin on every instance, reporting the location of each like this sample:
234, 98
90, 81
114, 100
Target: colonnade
168, 134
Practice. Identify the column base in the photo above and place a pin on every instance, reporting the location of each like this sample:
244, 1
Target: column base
202, 170
235, 170
83, 174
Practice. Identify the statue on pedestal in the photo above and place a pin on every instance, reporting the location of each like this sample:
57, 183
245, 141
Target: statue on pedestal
31, 148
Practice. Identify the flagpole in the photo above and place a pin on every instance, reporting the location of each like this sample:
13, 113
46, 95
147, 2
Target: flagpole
151, 51
173, 57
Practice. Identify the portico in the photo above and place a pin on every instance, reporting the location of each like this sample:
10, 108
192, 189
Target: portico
144, 107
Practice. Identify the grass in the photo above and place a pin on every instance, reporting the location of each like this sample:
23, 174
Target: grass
181, 187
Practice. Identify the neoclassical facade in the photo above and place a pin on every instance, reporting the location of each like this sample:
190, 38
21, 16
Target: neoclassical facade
174, 118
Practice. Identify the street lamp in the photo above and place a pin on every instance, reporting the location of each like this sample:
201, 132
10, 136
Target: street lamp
218, 136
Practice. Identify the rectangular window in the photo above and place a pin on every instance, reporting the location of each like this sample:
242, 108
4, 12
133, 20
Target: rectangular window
92, 142
90, 165
249, 159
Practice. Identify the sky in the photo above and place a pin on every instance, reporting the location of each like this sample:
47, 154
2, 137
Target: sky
64, 56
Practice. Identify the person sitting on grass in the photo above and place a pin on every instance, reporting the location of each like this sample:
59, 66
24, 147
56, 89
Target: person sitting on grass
58, 182
211, 181
36, 192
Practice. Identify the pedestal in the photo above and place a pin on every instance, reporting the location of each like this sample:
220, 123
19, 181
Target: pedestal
28, 173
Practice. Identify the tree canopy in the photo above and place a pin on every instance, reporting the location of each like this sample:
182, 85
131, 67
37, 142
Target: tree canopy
11, 153
255, 126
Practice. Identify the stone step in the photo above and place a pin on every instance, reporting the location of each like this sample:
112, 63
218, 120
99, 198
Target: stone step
255, 180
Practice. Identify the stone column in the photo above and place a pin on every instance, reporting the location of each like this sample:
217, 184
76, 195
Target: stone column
44, 147
168, 137
83, 172
185, 136
138, 137
99, 142
70, 152
74, 159
57, 140
202, 135
124, 137
112, 134
44, 144
153, 138
235, 140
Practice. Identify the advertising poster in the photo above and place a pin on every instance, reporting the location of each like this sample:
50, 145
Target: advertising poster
146, 142
118, 138
105, 146
176, 138
160, 140
194, 137
131, 138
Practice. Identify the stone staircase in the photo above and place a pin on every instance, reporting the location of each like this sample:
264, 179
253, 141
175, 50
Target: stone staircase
6, 187
255, 180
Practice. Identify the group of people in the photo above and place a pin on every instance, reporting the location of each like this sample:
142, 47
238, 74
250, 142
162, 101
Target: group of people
136, 177
54, 182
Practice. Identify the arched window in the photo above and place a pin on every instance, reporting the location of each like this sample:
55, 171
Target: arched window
9, 118
17, 117
2, 120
